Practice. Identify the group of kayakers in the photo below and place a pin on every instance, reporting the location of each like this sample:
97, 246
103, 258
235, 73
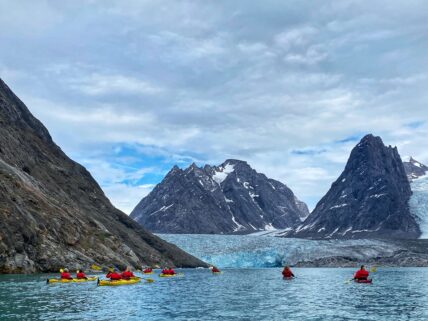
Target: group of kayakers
113, 274
80, 274
168, 271
361, 275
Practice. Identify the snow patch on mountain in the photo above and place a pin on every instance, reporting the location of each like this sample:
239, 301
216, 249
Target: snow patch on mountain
221, 174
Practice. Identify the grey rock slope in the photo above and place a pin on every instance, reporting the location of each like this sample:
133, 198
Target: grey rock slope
53, 213
414, 169
368, 200
230, 198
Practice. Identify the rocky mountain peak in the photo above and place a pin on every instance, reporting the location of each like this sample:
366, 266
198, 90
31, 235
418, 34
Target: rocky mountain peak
229, 198
54, 214
414, 169
369, 199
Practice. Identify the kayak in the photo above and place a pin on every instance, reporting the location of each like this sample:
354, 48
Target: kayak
167, 275
148, 272
91, 278
287, 278
118, 282
217, 273
369, 281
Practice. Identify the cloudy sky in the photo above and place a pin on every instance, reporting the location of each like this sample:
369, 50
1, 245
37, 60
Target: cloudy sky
129, 88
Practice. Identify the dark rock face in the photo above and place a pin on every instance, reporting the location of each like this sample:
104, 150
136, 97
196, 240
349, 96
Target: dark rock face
53, 213
230, 198
414, 169
368, 200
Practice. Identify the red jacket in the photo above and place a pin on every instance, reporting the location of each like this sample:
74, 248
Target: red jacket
66, 275
113, 276
80, 275
127, 274
286, 273
215, 269
361, 275
148, 270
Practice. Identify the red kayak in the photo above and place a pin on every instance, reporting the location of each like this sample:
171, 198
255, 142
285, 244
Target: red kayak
363, 281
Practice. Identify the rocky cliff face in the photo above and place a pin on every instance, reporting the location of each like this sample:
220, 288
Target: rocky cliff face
414, 169
53, 213
230, 198
368, 200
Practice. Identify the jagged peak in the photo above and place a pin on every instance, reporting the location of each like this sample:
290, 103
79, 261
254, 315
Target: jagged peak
370, 139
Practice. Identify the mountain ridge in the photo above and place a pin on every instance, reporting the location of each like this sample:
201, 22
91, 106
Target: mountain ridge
229, 198
54, 214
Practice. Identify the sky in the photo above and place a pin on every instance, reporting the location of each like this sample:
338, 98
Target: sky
130, 88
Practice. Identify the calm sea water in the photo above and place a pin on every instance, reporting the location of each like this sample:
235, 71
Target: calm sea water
237, 294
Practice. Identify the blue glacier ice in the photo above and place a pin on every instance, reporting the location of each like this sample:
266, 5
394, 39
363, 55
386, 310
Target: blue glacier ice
419, 203
249, 251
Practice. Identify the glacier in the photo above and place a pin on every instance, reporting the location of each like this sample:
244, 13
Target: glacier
419, 203
260, 251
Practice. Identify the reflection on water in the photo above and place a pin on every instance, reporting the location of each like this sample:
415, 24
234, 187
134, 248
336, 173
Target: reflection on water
237, 294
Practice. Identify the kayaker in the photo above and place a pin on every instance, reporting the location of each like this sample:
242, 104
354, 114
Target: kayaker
80, 274
148, 270
127, 274
215, 270
114, 275
171, 271
65, 274
286, 273
361, 274
168, 271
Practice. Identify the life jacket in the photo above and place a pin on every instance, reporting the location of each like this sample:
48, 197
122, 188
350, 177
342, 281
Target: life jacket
66, 275
127, 274
361, 275
171, 271
287, 273
113, 276
80, 275
215, 270
147, 270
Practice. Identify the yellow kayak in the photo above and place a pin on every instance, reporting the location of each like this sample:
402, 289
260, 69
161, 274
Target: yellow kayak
170, 275
91, 278
217, 273
118, 282
147, 272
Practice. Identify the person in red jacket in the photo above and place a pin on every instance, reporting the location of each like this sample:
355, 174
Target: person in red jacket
215, 270
65, 274
171, 271
80, 274
113, 275
286, 273
168, 271
127, 274
361, 274
148, 270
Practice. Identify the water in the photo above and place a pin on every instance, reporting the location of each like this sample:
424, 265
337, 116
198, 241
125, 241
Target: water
237, 294
247, 251
419, 203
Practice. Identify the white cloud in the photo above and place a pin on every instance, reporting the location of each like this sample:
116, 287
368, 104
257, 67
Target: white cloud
207, 81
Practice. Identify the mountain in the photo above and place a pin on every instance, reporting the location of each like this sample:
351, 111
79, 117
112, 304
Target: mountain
414, 169
230, 198
53, 213
368, 200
